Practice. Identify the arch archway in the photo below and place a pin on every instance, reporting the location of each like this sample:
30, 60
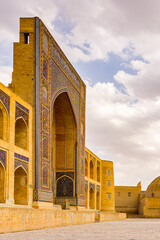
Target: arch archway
86, 167
64, 138
98, 200
91, 169
91, 199
21, 133
20, 186
86, 198
2, 184
3, 122
98, 173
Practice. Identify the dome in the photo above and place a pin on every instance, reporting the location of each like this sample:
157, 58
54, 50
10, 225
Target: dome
154, 188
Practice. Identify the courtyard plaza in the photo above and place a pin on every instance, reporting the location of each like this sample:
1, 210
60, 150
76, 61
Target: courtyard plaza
129, 229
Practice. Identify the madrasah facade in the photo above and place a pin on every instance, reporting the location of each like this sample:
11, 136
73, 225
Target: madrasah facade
47, 175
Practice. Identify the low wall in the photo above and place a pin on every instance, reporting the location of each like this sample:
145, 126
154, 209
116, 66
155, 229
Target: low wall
21, 219
111, 216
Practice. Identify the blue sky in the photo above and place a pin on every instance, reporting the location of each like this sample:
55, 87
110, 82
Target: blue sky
114, 46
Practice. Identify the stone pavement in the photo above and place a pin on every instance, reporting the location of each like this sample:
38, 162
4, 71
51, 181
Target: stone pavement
129, 229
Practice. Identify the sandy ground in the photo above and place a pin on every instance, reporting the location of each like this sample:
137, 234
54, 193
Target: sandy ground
130, 229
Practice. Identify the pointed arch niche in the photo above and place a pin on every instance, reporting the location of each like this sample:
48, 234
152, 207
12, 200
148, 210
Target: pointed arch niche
20, 186
3, 122
2, 183
21, 133
64, 138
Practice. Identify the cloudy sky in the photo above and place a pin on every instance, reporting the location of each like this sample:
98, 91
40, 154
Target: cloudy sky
115, 47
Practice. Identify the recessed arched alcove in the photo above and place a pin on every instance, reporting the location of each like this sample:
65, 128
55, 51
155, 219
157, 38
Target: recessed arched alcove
98, 200
91, 199
86, 167
3, 122
2, 183
64, 138
21, 133
91, 169
20, 186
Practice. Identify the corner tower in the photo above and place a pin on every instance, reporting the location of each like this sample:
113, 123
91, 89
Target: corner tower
44, 77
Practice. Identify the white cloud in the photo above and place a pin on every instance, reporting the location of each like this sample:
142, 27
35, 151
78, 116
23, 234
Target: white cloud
124, 132
5, 74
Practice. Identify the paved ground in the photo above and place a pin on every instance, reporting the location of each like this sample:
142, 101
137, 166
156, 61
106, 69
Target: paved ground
130, 229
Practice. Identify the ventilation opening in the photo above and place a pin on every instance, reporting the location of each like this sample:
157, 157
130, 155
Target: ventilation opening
26, 38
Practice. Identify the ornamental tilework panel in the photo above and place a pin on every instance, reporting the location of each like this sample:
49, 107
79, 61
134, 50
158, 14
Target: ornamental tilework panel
45, 170
98, 188
65, 65
62, 201
45, 119
21, 157
42, 196
45, 173
45, 196
60, 81
22, 107
45, 147
44, 94
3, 158
18, 163
45, 43
69, 174
91, 185
5, 99
21, 113
45, 68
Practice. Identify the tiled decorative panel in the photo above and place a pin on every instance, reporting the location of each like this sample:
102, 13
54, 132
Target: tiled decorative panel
45, 176
18, 163
21, 112
3, 157
69, 174
5, 99
45, 68
62, 200
98, 188
91, 185
21, 157
45, 147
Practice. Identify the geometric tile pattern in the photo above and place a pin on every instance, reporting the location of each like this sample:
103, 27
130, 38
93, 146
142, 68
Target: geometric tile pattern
18, 163
16, 155
3, 158
5, 99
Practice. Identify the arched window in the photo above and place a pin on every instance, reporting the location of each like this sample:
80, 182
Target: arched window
64, 187
91, 199
1, 124
91, 169
98, 173
98, 200
20, 186
21, 133
2, 181
86, 168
